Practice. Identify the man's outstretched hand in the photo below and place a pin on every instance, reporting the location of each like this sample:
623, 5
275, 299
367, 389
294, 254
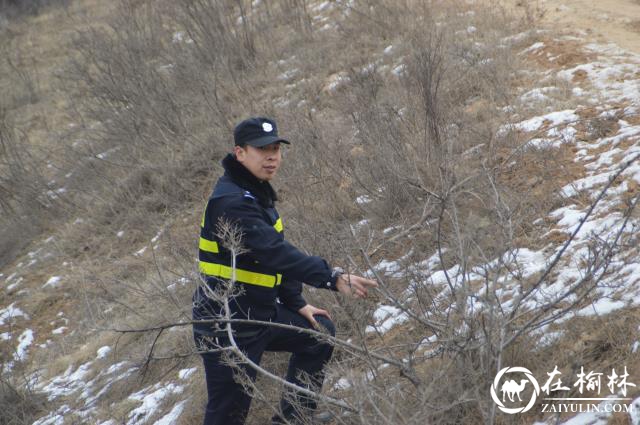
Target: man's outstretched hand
355, 286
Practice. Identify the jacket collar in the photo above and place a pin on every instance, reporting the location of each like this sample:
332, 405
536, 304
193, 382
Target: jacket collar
243, 178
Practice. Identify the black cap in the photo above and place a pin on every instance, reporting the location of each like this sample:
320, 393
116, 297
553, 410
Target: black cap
258, 131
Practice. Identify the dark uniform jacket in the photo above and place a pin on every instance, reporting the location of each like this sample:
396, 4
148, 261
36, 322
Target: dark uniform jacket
271, 269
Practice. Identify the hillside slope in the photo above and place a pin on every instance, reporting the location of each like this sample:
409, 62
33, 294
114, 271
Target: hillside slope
557, 269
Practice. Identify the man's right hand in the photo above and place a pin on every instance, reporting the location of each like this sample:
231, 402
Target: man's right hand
354, 286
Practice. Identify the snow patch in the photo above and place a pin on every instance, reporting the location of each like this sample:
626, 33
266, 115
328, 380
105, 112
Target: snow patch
538, 94
186, 373
387, 317
103, 352
342, 384
115, 367
54, 282
602, 306
24, 341
585, 183
181, 37
67, 383
553, 118
399, 70
320, 7
172, 417
11, 312
151, 401
54, 418
363, 199
535, 46
14, 284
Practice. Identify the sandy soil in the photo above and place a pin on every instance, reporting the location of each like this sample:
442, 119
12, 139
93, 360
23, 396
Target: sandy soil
604, 21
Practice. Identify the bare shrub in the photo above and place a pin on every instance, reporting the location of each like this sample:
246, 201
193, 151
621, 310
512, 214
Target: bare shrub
19, 403
24, 88
152, 97
218, 40
25, 200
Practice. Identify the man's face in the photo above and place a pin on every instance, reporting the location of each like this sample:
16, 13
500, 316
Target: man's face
263, 162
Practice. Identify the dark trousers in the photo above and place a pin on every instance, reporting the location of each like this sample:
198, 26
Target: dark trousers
228, 403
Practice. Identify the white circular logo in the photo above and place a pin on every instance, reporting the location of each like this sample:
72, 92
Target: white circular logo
511, 389
267, 127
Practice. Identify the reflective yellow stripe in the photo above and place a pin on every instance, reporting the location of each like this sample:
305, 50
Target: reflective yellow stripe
208, 246
278, 225
244, 276
202, 221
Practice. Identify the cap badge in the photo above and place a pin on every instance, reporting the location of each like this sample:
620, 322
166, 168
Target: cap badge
267, 127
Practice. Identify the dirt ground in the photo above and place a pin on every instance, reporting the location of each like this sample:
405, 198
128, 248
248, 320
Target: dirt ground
603, 21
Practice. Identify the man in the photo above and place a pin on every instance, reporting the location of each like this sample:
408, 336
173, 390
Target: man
268, 274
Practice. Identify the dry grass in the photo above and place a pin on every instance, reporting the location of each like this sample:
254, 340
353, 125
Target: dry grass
634, 25
560, 54
19, 404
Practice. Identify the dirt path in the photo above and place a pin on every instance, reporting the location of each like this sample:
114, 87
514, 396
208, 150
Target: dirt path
604, 21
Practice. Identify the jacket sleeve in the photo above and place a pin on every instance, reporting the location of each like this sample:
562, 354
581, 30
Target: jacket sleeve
290, 293
268, 247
